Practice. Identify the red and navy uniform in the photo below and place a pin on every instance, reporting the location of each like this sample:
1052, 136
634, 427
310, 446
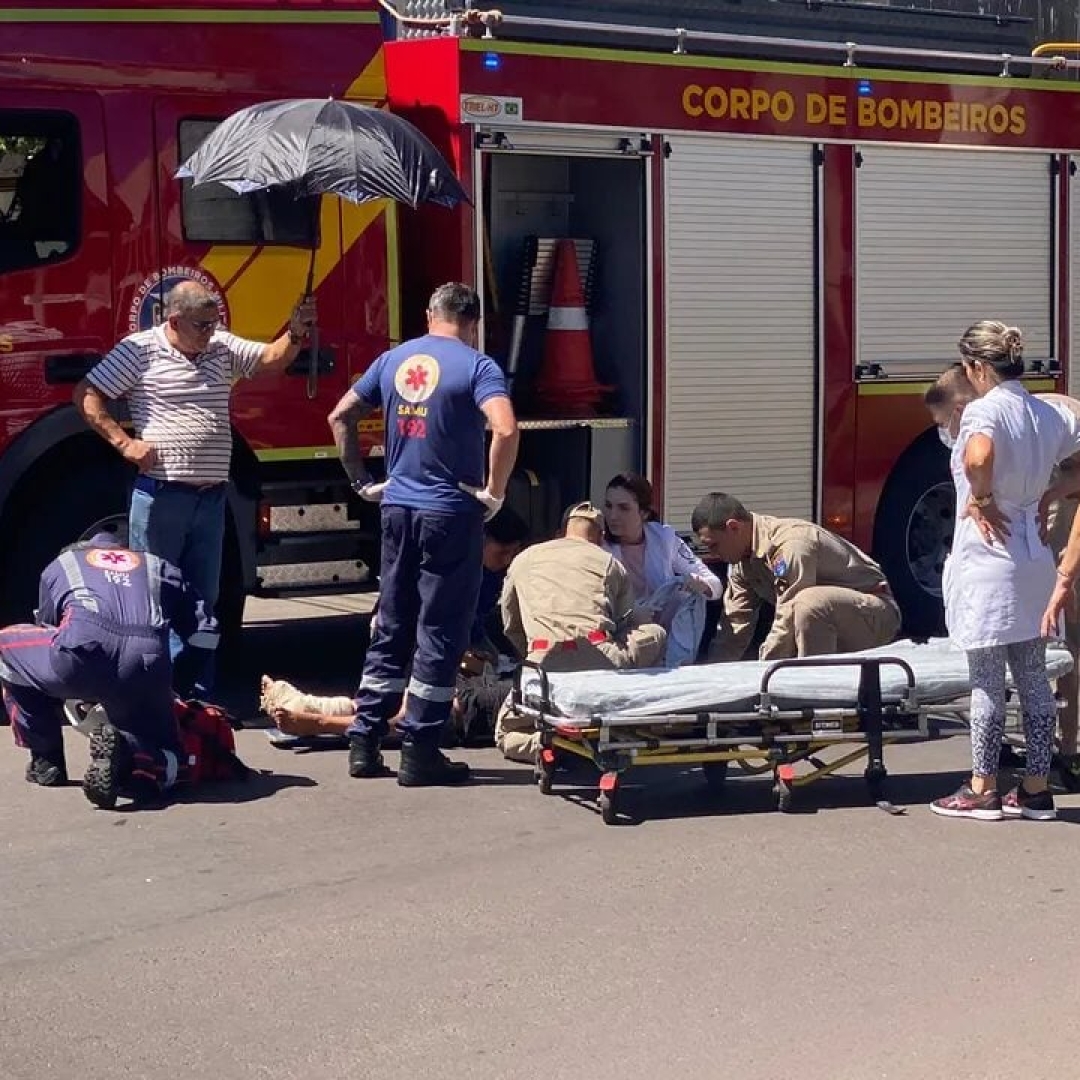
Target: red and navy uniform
102, 635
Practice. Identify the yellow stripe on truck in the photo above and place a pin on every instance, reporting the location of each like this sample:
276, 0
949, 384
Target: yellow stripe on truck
370, 84
261, 287
887, 389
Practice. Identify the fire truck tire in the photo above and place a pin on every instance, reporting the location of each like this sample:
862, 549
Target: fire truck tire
85, 485
913, 534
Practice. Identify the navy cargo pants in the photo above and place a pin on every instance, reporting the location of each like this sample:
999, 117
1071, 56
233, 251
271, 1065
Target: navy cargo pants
126, 670
429, 584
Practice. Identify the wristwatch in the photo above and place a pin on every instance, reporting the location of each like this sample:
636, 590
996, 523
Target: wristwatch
982, 500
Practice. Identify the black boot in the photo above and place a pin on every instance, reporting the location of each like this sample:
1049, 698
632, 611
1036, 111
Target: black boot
110, 765
423, 764
48, 769
365, 758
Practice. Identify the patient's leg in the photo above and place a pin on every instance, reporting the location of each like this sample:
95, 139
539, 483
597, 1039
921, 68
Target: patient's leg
306, 724
276, 693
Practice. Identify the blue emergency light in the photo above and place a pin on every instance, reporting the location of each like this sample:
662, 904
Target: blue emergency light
492, 61
865, 89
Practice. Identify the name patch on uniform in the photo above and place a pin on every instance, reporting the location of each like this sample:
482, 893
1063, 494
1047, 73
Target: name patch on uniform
118, 560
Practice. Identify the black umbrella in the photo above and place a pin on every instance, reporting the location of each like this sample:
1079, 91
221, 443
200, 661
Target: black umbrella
319, 146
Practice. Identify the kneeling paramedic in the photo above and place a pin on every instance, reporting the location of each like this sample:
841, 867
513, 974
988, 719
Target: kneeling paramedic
829, 597
102, 635
568, 605
437, 392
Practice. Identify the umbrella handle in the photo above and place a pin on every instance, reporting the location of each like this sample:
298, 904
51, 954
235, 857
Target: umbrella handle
313, 337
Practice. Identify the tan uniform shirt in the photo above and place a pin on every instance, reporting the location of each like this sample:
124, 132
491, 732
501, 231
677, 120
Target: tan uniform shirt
563, 590
1069, 464
789, 556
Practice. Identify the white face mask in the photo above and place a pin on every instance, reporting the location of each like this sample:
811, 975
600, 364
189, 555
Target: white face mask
946, 437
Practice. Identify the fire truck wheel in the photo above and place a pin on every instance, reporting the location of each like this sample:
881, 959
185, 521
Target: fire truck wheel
73, 492
913, 534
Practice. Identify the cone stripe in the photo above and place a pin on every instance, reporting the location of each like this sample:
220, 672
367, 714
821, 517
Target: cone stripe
567, 318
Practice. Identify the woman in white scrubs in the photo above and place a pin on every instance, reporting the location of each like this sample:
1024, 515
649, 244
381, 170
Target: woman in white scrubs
670, 582
1000, 574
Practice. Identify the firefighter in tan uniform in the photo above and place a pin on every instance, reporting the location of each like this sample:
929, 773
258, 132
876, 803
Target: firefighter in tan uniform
829, 596
568, 606
946, 401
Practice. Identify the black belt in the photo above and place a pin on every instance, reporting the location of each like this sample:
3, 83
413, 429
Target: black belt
151, 485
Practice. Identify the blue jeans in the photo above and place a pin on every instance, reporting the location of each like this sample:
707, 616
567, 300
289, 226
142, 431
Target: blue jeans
186, 527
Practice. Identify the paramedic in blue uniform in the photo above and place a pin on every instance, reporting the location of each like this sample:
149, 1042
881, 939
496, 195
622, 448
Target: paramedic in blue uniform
102, 635
437, 393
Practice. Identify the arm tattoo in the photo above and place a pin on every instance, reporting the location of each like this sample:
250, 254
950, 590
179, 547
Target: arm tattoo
343, 423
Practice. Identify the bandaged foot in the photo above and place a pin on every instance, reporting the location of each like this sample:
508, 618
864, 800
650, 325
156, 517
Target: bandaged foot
279, 694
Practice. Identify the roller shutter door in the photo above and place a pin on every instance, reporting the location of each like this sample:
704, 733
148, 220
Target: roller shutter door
1074, 276
740, 352
945, 238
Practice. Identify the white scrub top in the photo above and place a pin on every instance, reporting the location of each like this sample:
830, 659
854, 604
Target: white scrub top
996, 595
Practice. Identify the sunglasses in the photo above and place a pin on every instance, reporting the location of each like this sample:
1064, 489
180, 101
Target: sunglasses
203, 326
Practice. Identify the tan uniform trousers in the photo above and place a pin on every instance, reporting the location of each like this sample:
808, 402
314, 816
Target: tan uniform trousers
643, 647
1059, 521
828, 619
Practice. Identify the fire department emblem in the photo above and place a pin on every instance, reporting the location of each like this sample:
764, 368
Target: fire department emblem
416, 378
145, 310
118, 560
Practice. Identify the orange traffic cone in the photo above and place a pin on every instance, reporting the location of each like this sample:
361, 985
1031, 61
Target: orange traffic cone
567, 381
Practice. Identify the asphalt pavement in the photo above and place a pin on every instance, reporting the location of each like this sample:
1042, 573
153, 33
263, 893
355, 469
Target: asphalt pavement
306, 925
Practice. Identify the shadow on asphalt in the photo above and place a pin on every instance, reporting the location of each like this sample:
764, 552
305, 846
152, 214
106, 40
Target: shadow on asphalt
669, 794
261, 784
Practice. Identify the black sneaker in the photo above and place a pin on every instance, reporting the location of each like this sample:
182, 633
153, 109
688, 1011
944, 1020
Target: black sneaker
365, 758
47, 770
966, 804
109, 764
423, 764
1034, 807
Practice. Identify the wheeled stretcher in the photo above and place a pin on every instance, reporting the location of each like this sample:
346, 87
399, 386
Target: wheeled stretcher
798, 719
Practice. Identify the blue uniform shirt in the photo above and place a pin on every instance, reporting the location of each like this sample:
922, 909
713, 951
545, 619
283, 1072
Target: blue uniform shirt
431, 390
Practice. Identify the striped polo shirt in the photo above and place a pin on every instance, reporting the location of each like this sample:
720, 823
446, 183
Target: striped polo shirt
181, 406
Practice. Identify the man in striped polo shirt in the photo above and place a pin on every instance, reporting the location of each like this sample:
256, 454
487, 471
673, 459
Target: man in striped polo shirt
178, 379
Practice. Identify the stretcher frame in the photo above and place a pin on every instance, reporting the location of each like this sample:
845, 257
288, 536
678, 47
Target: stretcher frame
760, 739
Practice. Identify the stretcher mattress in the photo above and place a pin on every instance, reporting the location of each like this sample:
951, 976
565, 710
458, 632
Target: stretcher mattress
941, 677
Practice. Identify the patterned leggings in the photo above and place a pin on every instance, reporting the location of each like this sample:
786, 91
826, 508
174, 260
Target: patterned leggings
1027, 662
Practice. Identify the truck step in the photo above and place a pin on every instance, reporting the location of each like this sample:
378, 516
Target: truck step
313, 577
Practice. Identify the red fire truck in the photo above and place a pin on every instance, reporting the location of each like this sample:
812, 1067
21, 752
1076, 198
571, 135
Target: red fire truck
778, 256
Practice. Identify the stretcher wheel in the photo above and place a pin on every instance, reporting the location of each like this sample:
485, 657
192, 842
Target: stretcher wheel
715, 774
606, 803
544, 780
785, 795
